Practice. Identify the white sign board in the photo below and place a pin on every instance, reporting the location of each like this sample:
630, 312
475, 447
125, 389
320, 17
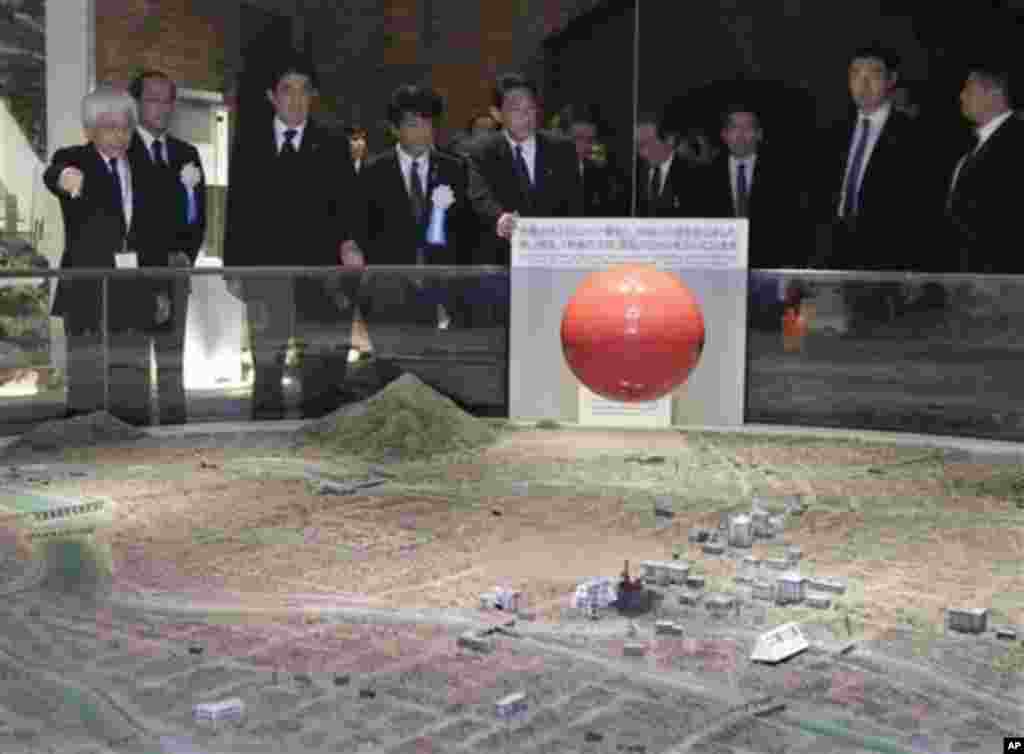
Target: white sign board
551, 257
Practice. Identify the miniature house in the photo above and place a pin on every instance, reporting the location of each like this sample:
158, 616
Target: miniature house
779, 644
741, 532
789, 588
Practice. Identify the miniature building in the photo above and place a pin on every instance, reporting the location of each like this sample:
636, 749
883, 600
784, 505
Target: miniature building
634, 649
794, 554
507, 599
695, 582
763, 590
665, 627
472, 640
719, 604
789, 588
698, 535
779, 644
678, 571
689, 599
232, 710
777, 564
1006, 632
820, 601
511, 705
595, 593
826, 585
713, 548
759, 521
69, 518
741, 531
969, 620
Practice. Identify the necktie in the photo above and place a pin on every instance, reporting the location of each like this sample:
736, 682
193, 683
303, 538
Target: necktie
158, 152
851, 192
416, 197
120, 188
525, 184
653, 190
288, 147
742, 190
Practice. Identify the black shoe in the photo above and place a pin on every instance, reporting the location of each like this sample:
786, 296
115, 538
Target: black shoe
268, 413
72, 413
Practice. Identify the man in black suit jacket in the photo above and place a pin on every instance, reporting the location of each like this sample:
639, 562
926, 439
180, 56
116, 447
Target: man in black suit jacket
94, 184
525, 172
290, 202
169, 227
407, 192
603, 187
881, 183
519, 171
668, 184
983, 203
748, 181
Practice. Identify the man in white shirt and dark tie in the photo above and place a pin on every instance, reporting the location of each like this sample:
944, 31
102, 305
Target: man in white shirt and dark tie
96, 188
883, 182
983, 201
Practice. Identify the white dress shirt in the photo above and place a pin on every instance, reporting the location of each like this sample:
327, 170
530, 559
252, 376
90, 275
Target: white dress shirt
529, 148
405, 161
280, 128
878, 120
149, 139
734, 164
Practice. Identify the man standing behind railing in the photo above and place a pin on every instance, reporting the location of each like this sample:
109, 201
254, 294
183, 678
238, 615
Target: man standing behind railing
97, 194
290, 203
170, 223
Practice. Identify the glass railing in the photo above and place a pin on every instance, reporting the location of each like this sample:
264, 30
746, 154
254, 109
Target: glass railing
885, 351
163, 346
908, 352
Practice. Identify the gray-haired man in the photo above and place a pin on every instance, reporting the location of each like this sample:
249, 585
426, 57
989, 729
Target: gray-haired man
93, 182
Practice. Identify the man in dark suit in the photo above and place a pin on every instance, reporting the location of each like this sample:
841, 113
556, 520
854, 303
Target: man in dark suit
518, 171
169, 227
748, 181
94, 184
881, 183
602, 185
982, 203
290, 202
409, 191
525, 172
669, 185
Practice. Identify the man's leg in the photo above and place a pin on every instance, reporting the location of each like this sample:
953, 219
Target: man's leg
169, 347
84, 375
270, 312
130, 386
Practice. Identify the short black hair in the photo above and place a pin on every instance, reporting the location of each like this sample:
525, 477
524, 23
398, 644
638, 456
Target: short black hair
738, 107
662, 128
418, 100
509, 82
139, 82
293, 62
890, 59
995, 72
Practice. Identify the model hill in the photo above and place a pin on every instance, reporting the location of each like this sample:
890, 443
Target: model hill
406, 420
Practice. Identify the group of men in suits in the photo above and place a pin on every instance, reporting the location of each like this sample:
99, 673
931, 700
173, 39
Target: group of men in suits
877, 184
132, 196
296, 199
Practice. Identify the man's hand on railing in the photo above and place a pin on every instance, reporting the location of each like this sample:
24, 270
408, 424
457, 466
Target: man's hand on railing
351, 255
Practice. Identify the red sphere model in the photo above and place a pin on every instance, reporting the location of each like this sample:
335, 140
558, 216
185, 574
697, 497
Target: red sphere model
632, 333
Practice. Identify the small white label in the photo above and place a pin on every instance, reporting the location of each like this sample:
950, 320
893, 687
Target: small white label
129, 260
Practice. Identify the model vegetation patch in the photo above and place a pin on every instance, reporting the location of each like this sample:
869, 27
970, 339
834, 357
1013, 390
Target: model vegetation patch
97, 428
407, 420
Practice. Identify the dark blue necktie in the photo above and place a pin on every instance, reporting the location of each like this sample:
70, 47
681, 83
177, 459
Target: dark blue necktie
741, 190
158, 153
851, 192
119, 187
